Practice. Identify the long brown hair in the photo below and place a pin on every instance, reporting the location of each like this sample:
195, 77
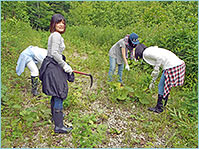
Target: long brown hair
56, 18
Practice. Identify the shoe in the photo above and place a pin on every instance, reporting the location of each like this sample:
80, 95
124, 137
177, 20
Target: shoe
59, 126
62, 129
159, 107
34, 81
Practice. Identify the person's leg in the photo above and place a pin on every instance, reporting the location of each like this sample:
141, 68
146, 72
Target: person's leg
58, 116
161, 88
161, 85
34, 76
159, 107
39, 65
33, 68
112, 63
120, 71
58, 103
52, 102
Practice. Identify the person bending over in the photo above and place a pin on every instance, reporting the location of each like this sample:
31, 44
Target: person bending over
173, 73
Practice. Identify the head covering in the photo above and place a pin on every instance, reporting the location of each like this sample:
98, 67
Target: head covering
139, 51
134, 38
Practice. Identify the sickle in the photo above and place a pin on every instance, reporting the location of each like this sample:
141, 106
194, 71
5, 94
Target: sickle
82, 73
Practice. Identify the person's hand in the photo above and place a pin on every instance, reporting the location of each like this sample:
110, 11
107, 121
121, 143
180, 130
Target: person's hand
154, 74
127, 67
67, 69
151, 86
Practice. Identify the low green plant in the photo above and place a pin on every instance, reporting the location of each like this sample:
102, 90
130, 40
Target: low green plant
186, 118
24, 116
87, 133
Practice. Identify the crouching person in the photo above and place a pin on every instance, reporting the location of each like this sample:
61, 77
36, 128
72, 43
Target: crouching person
32, 57
172, 75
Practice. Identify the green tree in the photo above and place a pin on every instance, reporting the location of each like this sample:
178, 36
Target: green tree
17, 10
40, 14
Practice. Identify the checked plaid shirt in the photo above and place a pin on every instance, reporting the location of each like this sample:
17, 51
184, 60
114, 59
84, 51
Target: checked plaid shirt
174, 77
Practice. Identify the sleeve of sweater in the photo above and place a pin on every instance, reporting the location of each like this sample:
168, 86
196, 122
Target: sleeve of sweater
55, 44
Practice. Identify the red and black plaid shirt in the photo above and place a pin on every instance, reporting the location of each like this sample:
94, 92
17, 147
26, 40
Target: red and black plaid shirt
174, 77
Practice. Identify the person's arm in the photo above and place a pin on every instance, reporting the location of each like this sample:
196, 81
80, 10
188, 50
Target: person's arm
124, 55
55, 43
156, 60
155, 73
125, 60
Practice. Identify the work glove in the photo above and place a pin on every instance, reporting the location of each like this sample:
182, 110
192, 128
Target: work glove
155, 73
152, 85
67, 69
127, 67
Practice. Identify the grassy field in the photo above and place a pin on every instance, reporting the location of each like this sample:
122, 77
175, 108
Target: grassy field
104, 116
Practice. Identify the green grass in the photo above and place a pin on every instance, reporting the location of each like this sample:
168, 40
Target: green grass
99, 114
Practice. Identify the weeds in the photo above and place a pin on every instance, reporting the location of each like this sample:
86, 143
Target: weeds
25, 120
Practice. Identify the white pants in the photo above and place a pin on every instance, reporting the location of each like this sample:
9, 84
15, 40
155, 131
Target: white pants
33, 68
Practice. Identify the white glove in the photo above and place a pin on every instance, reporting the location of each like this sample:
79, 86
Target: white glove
154, 74
127, 67
67, 69
152, 85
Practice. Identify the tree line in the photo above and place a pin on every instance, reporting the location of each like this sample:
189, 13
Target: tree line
100, 13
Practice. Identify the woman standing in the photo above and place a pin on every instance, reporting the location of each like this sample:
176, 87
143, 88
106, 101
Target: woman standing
172, 75
55, 72
118, 54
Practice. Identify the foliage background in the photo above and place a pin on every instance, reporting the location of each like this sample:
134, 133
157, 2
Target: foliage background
92, 28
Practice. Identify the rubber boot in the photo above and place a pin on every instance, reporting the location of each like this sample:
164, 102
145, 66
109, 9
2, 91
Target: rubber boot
52, 102
34, 81
166, 99
59, 126
159, 107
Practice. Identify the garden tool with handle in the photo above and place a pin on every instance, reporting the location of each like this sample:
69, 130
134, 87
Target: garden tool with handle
82, 73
